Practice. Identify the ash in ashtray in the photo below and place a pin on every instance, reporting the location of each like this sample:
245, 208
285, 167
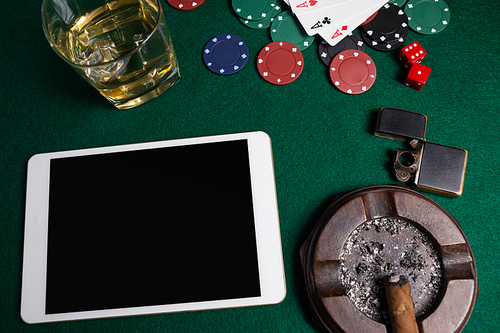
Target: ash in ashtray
383, 247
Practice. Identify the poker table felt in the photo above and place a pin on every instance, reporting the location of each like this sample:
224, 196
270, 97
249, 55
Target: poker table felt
323, 142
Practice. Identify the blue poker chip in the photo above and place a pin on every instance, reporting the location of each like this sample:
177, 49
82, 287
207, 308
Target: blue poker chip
225, 54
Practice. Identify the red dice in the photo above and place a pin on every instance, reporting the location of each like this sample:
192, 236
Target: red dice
418, 76
411, 53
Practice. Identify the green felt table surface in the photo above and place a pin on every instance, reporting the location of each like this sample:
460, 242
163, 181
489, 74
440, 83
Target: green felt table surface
323, 142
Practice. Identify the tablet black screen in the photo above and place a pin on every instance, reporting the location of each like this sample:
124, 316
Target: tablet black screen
151, 227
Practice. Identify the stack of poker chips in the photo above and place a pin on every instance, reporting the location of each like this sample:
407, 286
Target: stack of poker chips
256, 14
388, 30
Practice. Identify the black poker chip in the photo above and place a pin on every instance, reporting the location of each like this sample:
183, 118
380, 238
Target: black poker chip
387, 45
327, 52
388, 30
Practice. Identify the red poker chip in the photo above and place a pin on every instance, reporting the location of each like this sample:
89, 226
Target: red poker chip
368, 20
353, 71
280, 62
185, 4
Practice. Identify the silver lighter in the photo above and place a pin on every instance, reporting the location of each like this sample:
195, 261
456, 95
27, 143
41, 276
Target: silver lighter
430, 166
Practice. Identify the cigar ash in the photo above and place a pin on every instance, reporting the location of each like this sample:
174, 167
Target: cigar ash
389, 246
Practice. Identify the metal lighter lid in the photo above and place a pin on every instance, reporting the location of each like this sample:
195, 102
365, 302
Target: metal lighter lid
401, 125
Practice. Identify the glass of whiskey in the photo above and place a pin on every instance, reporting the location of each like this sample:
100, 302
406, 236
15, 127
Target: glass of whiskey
122, 48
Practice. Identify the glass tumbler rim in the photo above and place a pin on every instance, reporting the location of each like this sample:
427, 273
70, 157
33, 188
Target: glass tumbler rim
107, 63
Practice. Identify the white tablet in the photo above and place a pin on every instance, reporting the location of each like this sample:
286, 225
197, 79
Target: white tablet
181, 225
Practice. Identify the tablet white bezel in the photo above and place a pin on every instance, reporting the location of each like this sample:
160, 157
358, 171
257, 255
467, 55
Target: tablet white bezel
269, 251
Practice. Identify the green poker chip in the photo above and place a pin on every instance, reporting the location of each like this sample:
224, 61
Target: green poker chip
286, 27
253, 9
427, 16
264, 23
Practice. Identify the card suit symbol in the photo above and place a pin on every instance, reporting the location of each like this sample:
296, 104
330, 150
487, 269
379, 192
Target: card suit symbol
388, 46
363, 88
374, 43
372, 76
349, 91
369, 32
323, 55
401, 12
265, 74
228, 37
344, 27
214, 40
222, 70
249, 17
312, 2
368, 62
293, 75
194, 4
356, 54
299, 63
327, 20
209, 64
207, 51
382, 38
261, 61
337, 83
181, 5
279, 80
445, 22
236, 67
244, 56
433, 30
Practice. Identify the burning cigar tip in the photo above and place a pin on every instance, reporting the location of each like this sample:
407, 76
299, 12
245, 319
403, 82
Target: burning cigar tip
397, 279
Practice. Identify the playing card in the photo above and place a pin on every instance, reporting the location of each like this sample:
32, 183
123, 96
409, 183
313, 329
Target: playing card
318, 20
337, 31
302, 6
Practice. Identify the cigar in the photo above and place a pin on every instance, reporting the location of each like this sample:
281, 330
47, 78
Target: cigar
400, 303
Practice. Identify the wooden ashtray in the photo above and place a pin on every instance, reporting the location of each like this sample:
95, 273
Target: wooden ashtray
365, 236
